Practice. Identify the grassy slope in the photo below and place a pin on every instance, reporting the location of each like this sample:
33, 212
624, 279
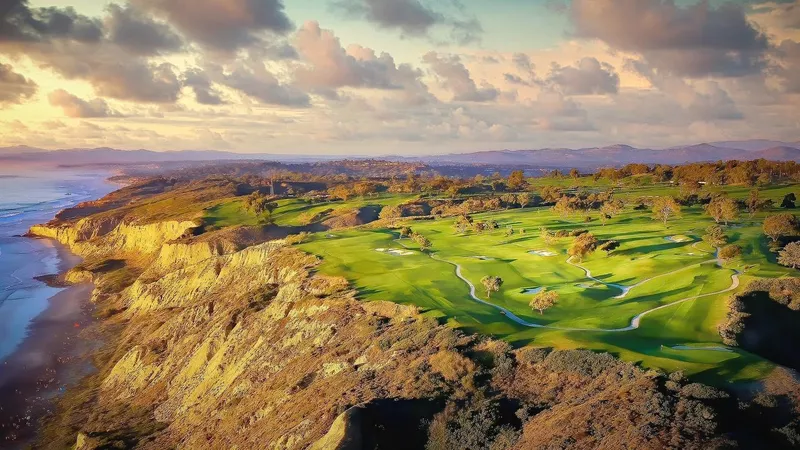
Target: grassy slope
645, 253
290, 212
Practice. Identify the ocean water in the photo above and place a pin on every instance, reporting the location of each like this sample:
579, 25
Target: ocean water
28, 197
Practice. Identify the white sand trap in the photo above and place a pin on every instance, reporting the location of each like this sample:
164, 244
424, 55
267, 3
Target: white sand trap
545, 253
331, 236
394, 251
484, 258
713, 349
533, 291
678, 239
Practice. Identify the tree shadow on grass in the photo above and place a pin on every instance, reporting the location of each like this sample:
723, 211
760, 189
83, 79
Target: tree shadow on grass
647, 249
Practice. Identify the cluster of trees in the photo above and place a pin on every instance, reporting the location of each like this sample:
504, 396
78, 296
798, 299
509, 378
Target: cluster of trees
748, 173
464, 223
541, 301
780, 228
261, 206
424, 243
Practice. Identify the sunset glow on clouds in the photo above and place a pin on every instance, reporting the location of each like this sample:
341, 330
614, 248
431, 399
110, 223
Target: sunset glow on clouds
396, 76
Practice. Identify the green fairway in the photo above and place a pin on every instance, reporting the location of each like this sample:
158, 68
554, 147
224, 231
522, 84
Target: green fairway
657, 300
654, 267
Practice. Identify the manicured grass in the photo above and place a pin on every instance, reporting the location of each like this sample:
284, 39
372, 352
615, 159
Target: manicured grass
645, 253
664, 271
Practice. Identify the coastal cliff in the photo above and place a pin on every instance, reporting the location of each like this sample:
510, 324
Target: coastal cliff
90, 236
227, 340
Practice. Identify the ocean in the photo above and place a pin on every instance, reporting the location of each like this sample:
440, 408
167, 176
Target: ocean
27, 197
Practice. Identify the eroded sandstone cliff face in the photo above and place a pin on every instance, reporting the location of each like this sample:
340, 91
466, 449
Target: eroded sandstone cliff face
225, 342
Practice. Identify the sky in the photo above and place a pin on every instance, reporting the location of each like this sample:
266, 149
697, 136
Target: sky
378, 77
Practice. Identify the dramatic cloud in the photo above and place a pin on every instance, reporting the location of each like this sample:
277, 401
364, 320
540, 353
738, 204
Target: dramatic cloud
76, 107
712, 103
788, 67
14, 88
138, 33
693, 41
555, 112
329, 66
588, 77
20, 23
222, 25
701, 101
204, 92
413, 18
110, 73
456, 78
254, 80
780, 14
76, 47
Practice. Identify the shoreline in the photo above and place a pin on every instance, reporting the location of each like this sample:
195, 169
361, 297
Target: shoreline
51, 358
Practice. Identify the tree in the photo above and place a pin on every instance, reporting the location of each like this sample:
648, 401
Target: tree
609, 246
564, 207
516, 181
779, 225
547, 236
790, 255
666, 208
391, 212
422, 241
753, 203
508, 200
729, 252
789, 201
610, 209
363, 189
715, 236
551, 194
544, 300
491, 284
524, 199
340, 192
575, 174
462, 224
583, 245
722, 209
260, 205
406, 232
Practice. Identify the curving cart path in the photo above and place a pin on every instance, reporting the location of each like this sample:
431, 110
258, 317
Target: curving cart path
634, 324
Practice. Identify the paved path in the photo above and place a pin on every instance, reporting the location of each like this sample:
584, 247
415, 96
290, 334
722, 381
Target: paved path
634, 324
627, 289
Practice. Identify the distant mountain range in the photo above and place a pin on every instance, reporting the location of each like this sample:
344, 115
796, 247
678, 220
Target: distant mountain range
614, 155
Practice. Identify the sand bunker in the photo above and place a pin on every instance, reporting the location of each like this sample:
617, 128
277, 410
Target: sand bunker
394, 251
678, 239
533, 291
331, 236
545, 253
713, 349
